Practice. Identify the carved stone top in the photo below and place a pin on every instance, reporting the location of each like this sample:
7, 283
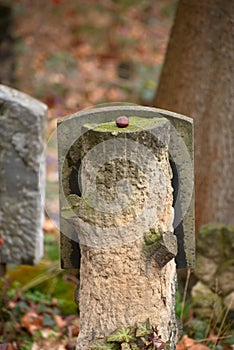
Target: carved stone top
92, 136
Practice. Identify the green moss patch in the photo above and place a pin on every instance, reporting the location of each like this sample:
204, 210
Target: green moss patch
135, 124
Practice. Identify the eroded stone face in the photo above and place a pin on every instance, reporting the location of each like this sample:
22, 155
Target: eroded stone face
22, 176
101, 121
116, 202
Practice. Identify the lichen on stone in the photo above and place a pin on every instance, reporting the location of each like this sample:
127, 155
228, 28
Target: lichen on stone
135, 124
151, 237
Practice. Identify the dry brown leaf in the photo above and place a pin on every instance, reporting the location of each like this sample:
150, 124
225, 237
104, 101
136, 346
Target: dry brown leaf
75, 329
59, 321
48, 333
10, 347
35, 346
31, 322
49, 226
11, 304
212, 337
187, 343
181, 345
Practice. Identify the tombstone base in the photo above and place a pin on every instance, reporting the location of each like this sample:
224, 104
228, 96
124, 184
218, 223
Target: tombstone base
122, 286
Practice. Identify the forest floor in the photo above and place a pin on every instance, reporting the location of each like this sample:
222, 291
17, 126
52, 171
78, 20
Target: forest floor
74, 55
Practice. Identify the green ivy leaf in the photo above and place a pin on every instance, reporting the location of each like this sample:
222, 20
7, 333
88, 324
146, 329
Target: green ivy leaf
105, 347
142, 329
167, 345
48, 321
134, 347
146, 342
122, 335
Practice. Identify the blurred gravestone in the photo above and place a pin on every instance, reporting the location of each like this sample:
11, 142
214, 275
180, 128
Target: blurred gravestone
126, 211
214, 290
22, 177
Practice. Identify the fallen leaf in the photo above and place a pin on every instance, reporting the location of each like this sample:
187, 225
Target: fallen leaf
187, 343
31, 322
49, 226
11, 304
48, 333
35, 346
10, 347
213, 337
59, 321
181, 345
75, 329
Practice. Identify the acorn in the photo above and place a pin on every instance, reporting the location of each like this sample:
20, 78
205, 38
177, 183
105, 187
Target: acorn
122, 121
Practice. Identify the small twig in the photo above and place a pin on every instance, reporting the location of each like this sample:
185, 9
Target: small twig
217, 338
223, 321
50, 273
220, 316
185, 294
210, 323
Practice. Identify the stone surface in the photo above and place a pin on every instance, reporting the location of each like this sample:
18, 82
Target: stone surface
181, 153
22, 176
215, 262
206, 269
124, 223
225, 277
206, 301
229, 301
116, 202
215, 266
120, 287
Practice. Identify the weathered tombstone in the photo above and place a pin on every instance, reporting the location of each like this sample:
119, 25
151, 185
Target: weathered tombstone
126, 211
22, 178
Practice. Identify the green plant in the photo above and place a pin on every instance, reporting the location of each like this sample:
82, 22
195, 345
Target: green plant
27, 345
9, 315
141, 337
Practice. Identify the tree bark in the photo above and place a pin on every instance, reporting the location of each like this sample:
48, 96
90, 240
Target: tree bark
197, 80
7, 56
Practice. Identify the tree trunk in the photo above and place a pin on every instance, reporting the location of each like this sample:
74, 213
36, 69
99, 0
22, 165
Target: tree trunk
197, 80
7, 56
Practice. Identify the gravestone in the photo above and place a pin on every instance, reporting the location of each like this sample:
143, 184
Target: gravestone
126, 215
214, 290
22, 177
